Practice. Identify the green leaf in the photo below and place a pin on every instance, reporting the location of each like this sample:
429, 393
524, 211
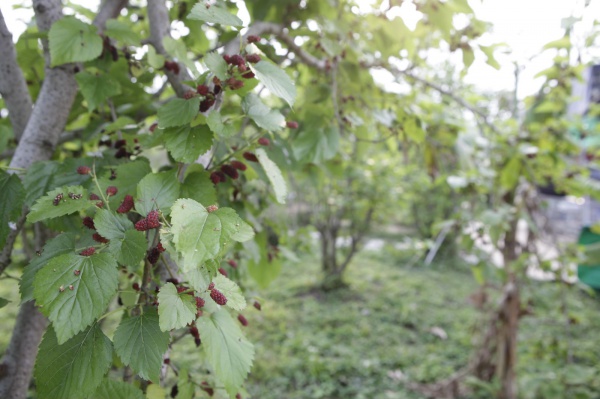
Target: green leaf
200, 235
262, 115
199, 278
186, 387
510, 173
71, 310
262, 268
157, 191
75, 368
216, 64
111, 225
187, 143
73, 41
97, 88
413, 130
111, 389
62, 244
178, 112
12, 196
489, 53
197, 186
44, 208
233, 293
276, 80
316, 145
38, 179
122, 32
245, 233
130, 249
128, 177
175, 310
220, 126
3, 302
215, 13
468, 57
155, 392
227, 350
155, 60
140, 343
274, 174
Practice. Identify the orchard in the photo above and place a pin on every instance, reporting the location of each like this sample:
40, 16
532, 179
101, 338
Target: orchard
165, 164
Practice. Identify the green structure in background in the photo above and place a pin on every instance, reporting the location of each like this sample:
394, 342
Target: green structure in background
589, 272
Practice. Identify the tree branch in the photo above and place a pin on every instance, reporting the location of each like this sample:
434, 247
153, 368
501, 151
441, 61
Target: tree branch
13, 87
108, 9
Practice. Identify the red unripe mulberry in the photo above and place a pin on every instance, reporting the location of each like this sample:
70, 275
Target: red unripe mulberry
257, 305
248, 156
236, 60
253, 58
232, 263
239, 165
98, 238
89, 223
206, 388
253, 39
135, 286
88, 251
211, 286
230, 171
199, 302
142, 225
94, 197
218, 297
223, 271
264, 141
83, 170
202, 90
292, 124
111, 190
242, 320
248, 75
126, 205
153, 220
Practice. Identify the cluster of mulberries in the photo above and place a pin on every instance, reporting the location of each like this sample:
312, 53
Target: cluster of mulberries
149, 222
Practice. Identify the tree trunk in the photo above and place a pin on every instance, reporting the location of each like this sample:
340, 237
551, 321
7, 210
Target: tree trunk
332, 273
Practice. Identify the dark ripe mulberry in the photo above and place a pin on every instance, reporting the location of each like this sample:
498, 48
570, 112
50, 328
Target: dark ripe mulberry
167, 360
122, 153
153, 219
111, 191
89, 223
238, 396
202, 90
160, 247
153, 127
218, 297
174, 391
207, 388
248, 156
126, 205
248, 75
94, 197
236, 60
194, 332
223, 272
230, 171
217, 89
153, 255
135, 286
83, 170
264, 141
292, 124
243, 320
227, 58
98, 238
206, 104
214, 177
239, 165
253, 58
257, 305
253, 39
199, 302
88, 251
198, 342
173, 281
120, 143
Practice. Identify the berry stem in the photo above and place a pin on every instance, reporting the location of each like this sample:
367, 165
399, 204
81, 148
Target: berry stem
95, 178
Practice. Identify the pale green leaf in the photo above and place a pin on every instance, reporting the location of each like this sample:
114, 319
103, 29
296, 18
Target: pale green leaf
216, 64
44, 207
157, 191
276, 80
3, 302
178, 112
141, 344
75, 368
214, 12
122, 32
510, 173
263, 116
220, 126
197, 186
71, 310
111, 225
187, 143
233, 293
175, 310
274, 174
155, 391
129, 249
200, 235
97, 88
155, 60
72, 40
228, 351
245, 233
111, 389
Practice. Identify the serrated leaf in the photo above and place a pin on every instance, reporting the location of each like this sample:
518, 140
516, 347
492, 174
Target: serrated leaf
178, 112
276, 80
75, 368
187, 143
227, 350
219, 126
215, 13
199, 278
111, 389
122, 32
245, 233
197, 186
157, 191
110, 225
97, 88
200, 235
140, 343
12, 196
262, 115
44, 207
72, 310
130, 249
175, 310
37, 180
216, 64
62, 244
233, 293
72, 40
274, 174
128, 177
3, 302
